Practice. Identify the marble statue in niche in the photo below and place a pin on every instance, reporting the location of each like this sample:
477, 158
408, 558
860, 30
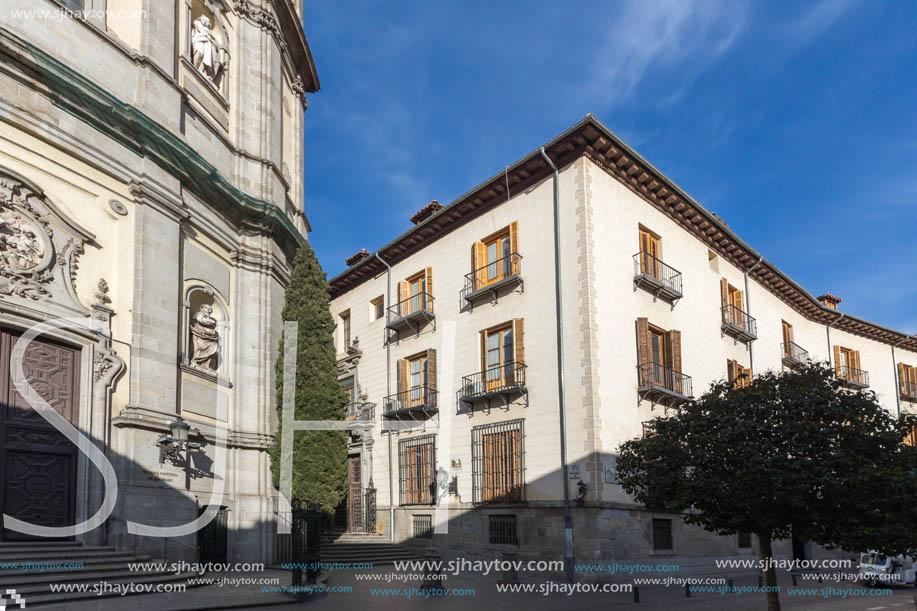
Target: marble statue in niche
205, 339
209, 57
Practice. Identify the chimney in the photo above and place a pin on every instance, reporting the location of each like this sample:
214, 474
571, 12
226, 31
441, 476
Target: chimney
426, 212
356, 257
830, 301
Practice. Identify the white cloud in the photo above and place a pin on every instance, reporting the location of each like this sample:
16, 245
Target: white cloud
681, 39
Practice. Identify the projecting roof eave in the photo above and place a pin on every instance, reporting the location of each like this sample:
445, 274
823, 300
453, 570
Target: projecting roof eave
590, 137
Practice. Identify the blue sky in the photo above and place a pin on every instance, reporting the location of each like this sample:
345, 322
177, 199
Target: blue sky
795, 122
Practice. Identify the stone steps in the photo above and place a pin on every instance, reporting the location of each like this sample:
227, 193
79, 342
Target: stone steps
100, 564
363, 548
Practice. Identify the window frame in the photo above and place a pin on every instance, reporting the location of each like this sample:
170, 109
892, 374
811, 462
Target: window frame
498, 462
670, 535
417, 477
346, 329
377, 308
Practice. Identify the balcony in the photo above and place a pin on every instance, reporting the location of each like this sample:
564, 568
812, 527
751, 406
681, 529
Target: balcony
661, 384
909, 391
418, 403
360, 410
486, 283
739, 324
656, 277
855, 378
494, 383
412, 313
360, 415
793, 354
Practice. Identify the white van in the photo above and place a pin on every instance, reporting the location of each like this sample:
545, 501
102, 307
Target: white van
880, 569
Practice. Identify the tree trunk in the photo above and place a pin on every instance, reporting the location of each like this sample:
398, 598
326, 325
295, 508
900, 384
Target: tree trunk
770, 573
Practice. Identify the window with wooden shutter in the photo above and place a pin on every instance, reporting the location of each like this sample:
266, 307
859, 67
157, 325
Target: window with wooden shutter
787, 339
911, 439
907, 380
659, 357
417, 470
738, 376
847, 364
733, 304
499, 360
415, 388
494, 258
650, 253
428, 290
404, 297
497, 462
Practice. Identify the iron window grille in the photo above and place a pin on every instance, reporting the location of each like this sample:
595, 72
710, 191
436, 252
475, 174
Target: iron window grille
417, 470
497, 462
503, 530
662, 534
423, 527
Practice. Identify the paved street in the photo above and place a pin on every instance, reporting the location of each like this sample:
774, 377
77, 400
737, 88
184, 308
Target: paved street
651, 598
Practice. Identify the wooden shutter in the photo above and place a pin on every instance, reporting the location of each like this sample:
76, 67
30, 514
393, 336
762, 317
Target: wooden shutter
402, 369
837, 360
675, 350
431, 369
518, 340
514, 246
643, 339
731, 371
404, 293
724, 293
429, 289
856, 359
738, 302
479, 264
902, 378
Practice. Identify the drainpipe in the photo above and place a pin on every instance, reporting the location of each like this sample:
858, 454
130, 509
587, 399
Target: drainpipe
751, 345
568, 520
388, 393
828, 331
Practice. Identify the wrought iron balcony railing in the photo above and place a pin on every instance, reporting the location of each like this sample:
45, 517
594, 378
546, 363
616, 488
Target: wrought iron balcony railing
487, 280
410, 313
793, 354
909, 390
663, 382
496, 380
853, 376
420, 400
739, 324
657, 277
360, 410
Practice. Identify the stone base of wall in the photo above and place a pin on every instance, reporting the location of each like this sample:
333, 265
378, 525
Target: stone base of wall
602, 536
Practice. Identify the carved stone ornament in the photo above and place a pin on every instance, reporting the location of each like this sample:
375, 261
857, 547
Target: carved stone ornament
205, 339
39, 247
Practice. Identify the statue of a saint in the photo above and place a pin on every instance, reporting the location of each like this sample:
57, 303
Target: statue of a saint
205, 339
208, 56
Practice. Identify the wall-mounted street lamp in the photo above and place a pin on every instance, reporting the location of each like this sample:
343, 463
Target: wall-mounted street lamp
171, 446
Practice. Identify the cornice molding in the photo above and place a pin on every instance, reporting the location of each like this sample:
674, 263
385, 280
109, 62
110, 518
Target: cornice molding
592, 139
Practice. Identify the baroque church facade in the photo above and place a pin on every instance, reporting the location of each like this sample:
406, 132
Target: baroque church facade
151, 196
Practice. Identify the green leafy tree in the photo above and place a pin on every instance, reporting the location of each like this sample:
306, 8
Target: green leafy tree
319, 457
792, 454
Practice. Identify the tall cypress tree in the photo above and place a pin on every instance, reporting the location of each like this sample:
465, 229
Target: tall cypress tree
319, 457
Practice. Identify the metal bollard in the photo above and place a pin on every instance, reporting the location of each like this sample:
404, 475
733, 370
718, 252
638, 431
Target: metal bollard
636, 594
729, 585
760, 579
687, 590
432, 580
793, 575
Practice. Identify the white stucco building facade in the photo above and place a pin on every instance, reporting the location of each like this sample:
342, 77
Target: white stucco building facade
639, 334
